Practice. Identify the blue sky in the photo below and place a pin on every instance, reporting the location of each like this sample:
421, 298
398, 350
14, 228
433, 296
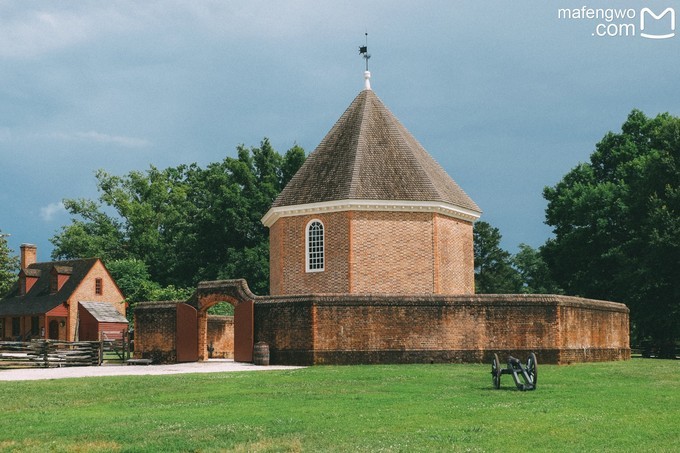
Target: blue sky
507, 96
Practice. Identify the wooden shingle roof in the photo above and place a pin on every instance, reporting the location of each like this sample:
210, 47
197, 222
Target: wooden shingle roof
369, 155
40, 299
104, 312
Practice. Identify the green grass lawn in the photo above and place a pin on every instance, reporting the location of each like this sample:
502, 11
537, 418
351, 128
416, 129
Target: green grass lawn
621, 406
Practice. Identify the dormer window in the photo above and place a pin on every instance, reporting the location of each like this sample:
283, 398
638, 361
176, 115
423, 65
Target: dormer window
58, 276
27, 278
314, 246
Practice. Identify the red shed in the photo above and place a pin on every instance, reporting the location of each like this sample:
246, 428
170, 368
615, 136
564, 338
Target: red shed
100, 320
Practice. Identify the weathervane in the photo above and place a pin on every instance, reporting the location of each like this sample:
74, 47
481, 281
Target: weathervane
363, 50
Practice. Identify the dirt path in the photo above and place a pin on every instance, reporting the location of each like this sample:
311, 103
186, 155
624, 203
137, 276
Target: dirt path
211, 366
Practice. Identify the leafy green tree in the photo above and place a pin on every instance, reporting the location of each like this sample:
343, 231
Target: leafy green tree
222, 309
92, 233
134, 280
171, 292
187, 223
494, 273
534, 272
616, 221
154, 207
229, 200
9, 266
293, 160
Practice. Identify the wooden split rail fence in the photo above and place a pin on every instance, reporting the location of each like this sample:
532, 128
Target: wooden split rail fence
50, 353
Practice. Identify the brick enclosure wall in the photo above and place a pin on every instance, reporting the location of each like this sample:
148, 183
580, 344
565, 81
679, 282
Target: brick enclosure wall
345, 329
288, 329
221, 336
382, 328
155, 331
375, 252
591, 327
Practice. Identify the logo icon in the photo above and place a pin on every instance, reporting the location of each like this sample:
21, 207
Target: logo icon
646, 11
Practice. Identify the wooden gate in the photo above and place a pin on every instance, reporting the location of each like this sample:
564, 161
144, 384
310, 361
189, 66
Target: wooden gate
187, 333
243, 331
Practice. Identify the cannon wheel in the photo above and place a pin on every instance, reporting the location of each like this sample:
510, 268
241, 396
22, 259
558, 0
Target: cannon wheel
496, 371
532, 370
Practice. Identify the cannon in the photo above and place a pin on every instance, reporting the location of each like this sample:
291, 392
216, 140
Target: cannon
525, 377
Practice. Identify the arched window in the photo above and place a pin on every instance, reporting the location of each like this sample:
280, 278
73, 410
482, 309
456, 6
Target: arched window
314, 246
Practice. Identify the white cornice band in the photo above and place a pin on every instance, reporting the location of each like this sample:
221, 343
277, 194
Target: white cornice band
370, 205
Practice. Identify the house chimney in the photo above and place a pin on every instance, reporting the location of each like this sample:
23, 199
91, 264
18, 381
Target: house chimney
29, 255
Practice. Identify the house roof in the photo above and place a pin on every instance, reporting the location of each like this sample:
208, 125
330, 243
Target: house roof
31, 272
61, 269
39, 299
369, 155
103, 312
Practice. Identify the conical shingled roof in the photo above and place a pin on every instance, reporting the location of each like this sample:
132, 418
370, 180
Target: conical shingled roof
369, 155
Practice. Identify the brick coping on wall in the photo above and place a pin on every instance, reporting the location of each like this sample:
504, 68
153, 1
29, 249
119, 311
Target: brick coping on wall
238, 290
422, 300
442, 300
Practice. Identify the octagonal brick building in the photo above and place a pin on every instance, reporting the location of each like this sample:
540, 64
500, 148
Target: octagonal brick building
370, 211
371, 261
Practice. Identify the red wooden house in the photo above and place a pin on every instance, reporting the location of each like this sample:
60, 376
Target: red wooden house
61, 300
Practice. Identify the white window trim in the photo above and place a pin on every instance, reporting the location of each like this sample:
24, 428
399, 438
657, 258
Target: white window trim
323, 241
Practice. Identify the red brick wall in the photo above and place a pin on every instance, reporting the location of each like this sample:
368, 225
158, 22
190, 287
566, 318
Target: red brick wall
344, 329
370, 252
221, 335
288, 328
392, 253
155, 331
276, 264
358, 329
287, 256
455, 256
86, 292
29, 255
589, 330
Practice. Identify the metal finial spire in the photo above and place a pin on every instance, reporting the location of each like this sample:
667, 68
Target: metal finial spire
363, 50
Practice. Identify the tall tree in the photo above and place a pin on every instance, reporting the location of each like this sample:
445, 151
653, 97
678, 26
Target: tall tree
186, 223
494, 273
9, 266
133, 278
534, 272
616, 221
92, 233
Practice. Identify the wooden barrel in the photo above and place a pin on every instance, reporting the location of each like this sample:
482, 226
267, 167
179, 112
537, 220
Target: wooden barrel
261, 353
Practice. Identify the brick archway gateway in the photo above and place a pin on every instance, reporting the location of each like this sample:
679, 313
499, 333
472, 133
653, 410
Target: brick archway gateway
237, 293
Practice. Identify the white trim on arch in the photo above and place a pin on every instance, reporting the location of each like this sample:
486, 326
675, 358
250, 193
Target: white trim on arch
315, 238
